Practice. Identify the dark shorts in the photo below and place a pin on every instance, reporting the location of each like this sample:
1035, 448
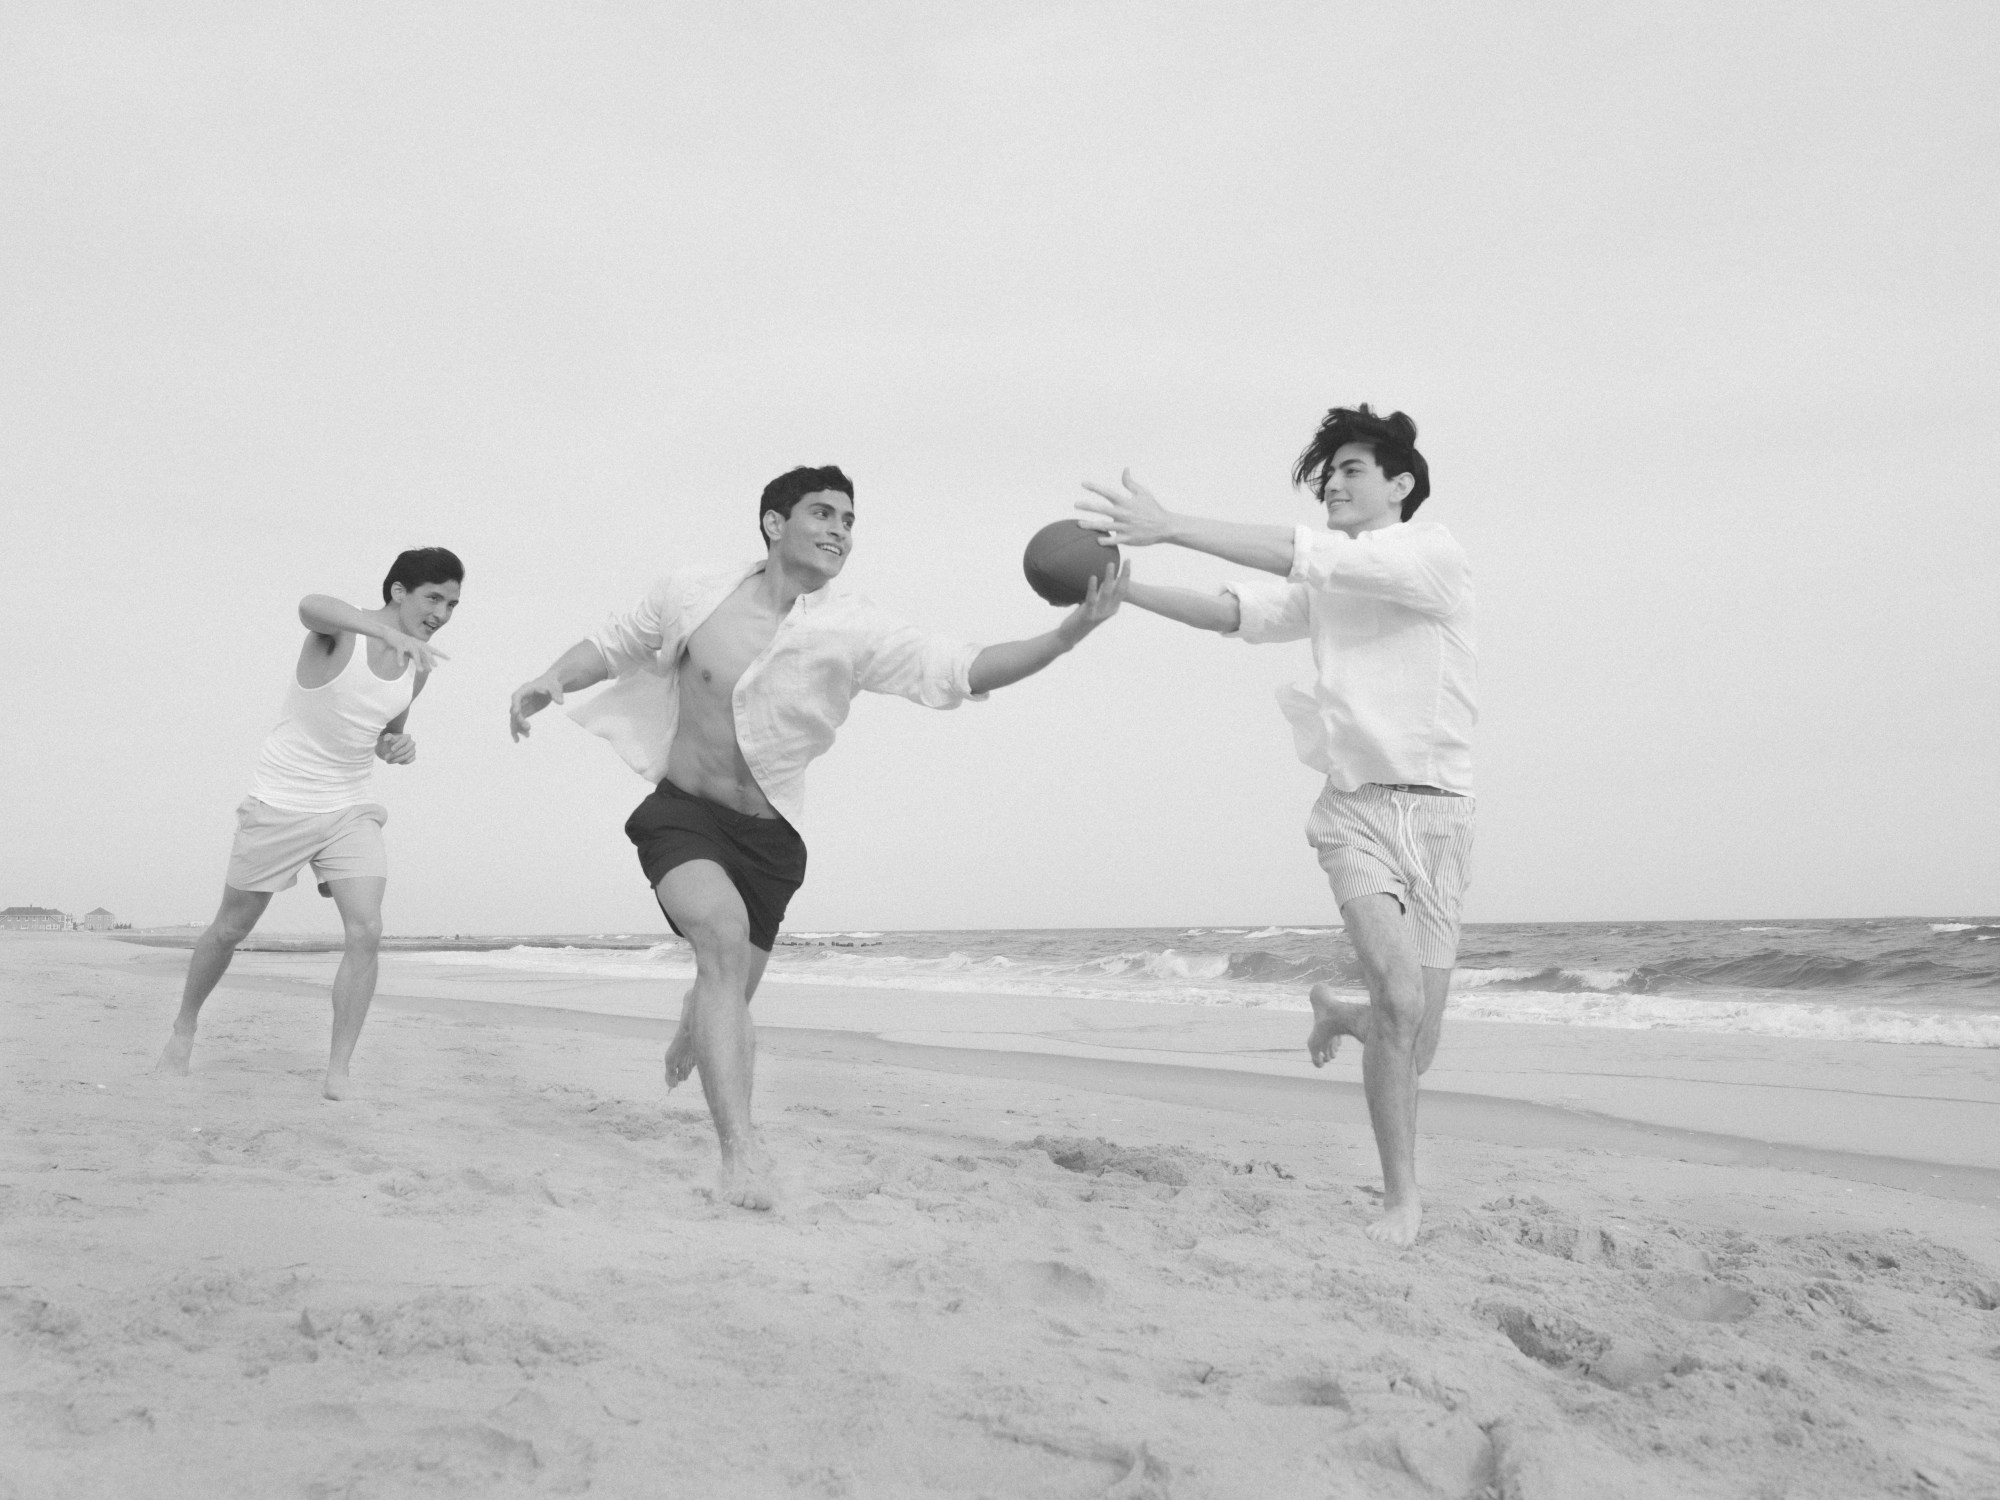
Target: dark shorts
764, 858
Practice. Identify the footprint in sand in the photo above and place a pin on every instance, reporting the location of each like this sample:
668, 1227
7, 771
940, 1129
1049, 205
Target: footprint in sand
1171, 1166
1049, 1283
1304, 1390
1700, 1300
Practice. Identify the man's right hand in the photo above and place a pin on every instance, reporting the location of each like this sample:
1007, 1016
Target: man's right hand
409, 649
530, 698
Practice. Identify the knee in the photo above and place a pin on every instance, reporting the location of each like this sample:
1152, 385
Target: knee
364, 933
1395, 987
223, 936
721, 945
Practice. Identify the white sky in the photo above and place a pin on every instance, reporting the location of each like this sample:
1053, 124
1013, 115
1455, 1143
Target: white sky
1694, 305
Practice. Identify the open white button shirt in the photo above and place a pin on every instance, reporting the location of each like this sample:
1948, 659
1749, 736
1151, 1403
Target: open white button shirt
1390, 616
789, 701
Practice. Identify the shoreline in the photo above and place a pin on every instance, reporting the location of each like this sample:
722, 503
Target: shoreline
1926, 1107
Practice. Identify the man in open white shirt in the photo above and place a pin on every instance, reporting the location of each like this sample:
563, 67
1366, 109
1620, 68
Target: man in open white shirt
1387, 603
730, 681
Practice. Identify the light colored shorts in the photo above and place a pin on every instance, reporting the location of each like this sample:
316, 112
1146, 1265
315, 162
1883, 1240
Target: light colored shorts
273, 845
1410, 845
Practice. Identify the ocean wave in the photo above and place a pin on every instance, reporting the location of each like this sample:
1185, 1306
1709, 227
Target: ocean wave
1802, 1021
1165, 976
1780, 969
1554, 981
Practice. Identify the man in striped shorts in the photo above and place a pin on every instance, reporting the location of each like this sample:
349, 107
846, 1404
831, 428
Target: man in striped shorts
1387, 603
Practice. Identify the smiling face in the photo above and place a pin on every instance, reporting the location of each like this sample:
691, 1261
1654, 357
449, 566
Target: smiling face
1358, 496
426, 610
814, 540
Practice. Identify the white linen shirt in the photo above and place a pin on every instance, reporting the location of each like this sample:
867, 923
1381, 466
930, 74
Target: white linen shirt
789, 701
1390, 616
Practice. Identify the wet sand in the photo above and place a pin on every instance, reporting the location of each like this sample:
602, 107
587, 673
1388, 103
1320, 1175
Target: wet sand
1024, 1248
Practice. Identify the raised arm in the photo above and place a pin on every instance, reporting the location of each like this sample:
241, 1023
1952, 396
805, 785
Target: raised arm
1132, 517
581, 666
1010, 661
322, 614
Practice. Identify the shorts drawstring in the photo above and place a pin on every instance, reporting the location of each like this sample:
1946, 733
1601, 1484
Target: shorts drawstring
1413, 867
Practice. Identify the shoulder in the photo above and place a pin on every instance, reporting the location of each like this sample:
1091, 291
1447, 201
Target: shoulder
1421, 535
677, 584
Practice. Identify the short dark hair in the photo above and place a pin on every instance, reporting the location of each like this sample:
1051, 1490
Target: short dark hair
1392, 439
792, 486
422, 565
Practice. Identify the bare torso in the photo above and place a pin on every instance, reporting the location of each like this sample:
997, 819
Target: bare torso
705, 759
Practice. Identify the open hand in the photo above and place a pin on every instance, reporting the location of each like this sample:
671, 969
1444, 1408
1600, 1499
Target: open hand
1132, 517
1101, 598
396, 749
409, 649
530, 698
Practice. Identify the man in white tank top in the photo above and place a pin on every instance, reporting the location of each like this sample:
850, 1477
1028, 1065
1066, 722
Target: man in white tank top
347, 704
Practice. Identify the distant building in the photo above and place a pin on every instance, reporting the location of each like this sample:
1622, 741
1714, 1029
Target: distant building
99, 920
34, 918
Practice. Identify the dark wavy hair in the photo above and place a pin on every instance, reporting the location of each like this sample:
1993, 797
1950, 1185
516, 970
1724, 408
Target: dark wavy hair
422, 565
1392, 439
792, 486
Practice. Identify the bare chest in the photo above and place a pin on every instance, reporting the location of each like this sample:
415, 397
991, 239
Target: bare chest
724, 645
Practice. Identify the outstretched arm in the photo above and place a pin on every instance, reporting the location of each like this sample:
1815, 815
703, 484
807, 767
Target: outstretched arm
324, 615
1135, 519
579, 667
1010, 661
1223, 612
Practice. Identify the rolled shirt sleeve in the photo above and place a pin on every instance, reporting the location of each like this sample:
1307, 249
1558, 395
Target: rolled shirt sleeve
631, 638
934, 670
1415, 565
1269, 610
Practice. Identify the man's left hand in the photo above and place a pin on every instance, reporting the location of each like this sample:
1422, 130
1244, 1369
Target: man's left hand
1133, 517
397, 749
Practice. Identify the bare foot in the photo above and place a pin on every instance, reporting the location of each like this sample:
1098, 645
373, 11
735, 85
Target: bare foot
338, 1085
680, 1054
1399, 1223
173, 1061
1332, 1020
745, 1180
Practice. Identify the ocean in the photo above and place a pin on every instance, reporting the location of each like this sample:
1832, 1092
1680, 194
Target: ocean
1932, 981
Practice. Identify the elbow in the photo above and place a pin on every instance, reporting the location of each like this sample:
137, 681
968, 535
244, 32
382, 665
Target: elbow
1442, 595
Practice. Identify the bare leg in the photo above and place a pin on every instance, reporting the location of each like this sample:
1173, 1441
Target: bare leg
234, 919
1334, 1019
706, 907
680, 1051
360, 901
1397, 1006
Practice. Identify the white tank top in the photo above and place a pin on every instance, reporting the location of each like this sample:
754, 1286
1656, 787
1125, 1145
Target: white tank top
321, 757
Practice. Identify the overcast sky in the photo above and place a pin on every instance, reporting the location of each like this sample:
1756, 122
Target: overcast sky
1693, 304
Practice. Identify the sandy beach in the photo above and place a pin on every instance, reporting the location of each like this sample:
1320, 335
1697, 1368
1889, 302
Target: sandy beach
1024, 1249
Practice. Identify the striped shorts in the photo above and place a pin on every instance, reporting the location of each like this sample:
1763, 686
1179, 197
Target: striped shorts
1404, 844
